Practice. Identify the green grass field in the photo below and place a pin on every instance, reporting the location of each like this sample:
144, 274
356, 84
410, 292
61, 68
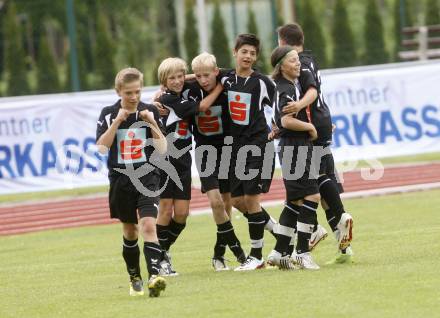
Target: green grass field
80, 272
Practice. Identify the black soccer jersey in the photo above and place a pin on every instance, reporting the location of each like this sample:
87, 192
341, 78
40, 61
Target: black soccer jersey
287, 91
209, 127
320, 112
177, 122
130, 144
247, 98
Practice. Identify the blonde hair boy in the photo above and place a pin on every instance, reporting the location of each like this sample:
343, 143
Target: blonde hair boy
170, 66
128, 75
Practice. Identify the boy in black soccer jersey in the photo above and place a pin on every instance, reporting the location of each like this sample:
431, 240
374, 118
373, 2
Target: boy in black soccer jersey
125, 129
209, 129
249, 92
295, 157
340, 222
174, 201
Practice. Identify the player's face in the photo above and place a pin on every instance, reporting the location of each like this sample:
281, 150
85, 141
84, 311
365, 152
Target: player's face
207, 78
291, 65
175, 82
245, 56
130, 93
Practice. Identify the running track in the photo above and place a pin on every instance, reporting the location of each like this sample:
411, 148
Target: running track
30, 217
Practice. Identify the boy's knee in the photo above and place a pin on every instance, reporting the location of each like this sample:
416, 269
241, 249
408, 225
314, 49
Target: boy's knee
313, 197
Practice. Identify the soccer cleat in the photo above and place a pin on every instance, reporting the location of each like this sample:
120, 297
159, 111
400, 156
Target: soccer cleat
273, 259
136, 286
219, 264
305, 261
319, 235
343, 257
344, 232
156, 284
166, 268
251, 263
242, 258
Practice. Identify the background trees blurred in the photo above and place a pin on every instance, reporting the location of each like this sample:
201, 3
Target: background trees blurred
111, 34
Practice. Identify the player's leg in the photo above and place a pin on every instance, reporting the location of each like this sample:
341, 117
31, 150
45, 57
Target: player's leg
163, 221
225, 230
153, 255
131, 254
305, 225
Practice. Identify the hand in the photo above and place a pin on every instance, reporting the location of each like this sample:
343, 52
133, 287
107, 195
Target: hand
162, 110
122, 115
292, 107
313, 133
158, 94
147, 116
274, 133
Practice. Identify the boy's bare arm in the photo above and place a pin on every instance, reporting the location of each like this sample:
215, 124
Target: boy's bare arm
159, 140
292, 123
107, 138
308, 98
210, 99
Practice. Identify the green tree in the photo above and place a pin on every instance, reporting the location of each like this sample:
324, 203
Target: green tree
219, 40
314, 36
168, 27
261, 63
375, 52
397, 29
104, 55
190, 34
82, 69
432, 17
344, 48
47, 71
15, 64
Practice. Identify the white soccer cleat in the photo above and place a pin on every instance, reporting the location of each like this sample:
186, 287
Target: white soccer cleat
252, 263
273, 258
319, 235
344, 232
305, 261
219, 264
282, 262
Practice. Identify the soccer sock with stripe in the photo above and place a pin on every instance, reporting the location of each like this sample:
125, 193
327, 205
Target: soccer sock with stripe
328, 190
226, 231
130, 252
220, 245
162, 235
256, 223
174, 231
269, 222
286, 229
153, 256
305, 225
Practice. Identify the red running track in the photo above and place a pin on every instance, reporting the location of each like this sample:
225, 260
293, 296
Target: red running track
30, 217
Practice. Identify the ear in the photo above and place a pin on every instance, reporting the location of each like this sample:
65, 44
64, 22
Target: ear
216, 71
234, 52
118, 92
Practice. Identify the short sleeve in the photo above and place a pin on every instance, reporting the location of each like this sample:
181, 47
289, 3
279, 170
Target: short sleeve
101, 124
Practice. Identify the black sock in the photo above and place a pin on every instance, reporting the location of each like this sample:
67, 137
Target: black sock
269, 222
246, 215
153, 256
331, 219
174, 231
256, 232
226, 230
285, 230
305, 225
328, 190
130, 252
162, 235
220, 245
294, 209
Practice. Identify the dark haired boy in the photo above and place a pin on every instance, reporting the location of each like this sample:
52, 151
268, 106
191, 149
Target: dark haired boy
340, 222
